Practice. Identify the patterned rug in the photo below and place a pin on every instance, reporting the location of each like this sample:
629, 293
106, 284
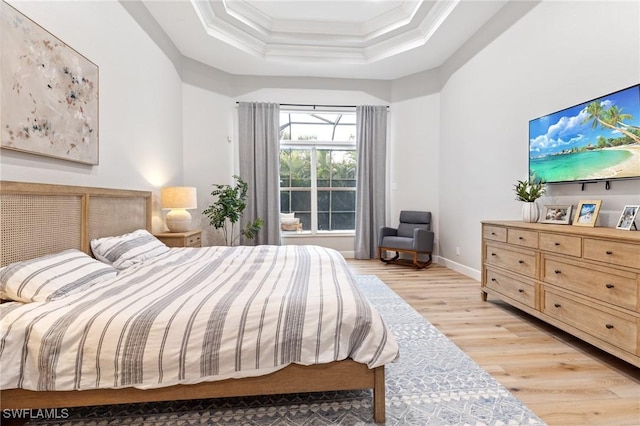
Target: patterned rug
433, 383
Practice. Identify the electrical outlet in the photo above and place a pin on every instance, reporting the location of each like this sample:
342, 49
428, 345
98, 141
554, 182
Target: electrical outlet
457, 251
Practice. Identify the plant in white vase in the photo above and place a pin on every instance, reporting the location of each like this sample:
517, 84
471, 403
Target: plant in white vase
528, 191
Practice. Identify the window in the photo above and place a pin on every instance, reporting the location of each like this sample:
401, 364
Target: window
318, 169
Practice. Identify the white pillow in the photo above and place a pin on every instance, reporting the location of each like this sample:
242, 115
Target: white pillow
126, 250
289, 219
52, 276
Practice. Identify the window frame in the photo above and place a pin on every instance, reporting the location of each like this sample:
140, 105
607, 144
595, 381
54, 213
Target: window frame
313, 146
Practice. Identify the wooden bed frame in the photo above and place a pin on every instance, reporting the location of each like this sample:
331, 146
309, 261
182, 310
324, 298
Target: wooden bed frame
38, 219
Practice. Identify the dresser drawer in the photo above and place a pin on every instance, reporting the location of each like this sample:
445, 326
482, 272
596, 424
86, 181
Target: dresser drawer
561, 244
614, 328
625, 254
494, 233
523, 238
510, 287
609, 286
520, 261
193, 241
181, 239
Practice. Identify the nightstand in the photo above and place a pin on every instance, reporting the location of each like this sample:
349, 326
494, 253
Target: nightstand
181, 239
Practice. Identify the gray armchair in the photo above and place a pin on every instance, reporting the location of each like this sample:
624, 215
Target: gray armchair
413, 236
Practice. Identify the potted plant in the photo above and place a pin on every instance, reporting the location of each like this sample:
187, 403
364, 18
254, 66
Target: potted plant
227, 209
528, 191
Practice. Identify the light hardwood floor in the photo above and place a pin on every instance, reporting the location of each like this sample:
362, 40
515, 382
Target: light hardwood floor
563, 380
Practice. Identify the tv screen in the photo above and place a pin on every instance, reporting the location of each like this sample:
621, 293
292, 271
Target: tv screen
595, 140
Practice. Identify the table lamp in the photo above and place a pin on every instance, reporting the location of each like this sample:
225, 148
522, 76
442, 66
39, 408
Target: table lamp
177, 199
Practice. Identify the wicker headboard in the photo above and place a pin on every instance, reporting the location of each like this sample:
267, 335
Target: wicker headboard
38, 219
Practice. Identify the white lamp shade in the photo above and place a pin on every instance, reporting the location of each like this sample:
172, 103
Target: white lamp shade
178, 199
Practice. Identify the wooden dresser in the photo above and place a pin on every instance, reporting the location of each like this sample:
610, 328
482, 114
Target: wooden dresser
585, 281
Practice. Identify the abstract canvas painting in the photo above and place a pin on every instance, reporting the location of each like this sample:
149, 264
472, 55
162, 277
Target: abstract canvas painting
49, 93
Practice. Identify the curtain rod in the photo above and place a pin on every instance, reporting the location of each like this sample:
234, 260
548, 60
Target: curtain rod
314, 106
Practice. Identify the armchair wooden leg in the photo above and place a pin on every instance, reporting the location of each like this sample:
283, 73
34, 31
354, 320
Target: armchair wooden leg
421, 265
396, 259
384, 259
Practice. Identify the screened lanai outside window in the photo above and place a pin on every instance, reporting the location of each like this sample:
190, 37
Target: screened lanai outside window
318, 169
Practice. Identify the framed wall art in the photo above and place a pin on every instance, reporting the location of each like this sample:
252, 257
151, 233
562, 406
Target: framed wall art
557, 214
587, 213
49, 93
628, 217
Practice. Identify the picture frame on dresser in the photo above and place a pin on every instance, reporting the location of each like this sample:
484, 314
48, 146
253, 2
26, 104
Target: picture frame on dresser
587, 213
558, 214
628, 217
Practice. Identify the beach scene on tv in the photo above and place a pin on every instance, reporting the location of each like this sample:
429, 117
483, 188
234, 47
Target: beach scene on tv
599, 139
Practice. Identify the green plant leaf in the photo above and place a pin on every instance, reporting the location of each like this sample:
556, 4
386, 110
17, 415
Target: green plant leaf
227, 209
529, 190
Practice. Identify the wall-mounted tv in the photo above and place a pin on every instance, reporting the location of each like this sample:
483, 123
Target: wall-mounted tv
595, 140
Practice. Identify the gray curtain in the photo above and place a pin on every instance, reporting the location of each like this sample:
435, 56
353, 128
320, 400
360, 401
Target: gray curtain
259, 146
371, 143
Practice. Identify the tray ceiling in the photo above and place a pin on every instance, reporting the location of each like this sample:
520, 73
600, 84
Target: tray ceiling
377, 39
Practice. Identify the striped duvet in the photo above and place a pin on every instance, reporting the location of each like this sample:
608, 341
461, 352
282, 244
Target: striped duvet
193, 315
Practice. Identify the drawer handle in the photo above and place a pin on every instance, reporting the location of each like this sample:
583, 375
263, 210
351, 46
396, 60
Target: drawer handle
493, 254
609, 252
556, 244
609, 326
520, 238
493, 233
557, 305
520, 290
521, 261
494, 280
609, 286
557, 271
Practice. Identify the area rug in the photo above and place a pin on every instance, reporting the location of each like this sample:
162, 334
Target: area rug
433, 383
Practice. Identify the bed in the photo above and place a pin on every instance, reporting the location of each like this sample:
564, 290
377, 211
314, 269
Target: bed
39, 220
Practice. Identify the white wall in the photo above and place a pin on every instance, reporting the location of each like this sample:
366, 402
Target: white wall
558, 55
413, 156
208, 150
140, 104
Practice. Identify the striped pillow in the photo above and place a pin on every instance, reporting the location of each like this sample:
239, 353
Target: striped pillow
128, 249
52, 276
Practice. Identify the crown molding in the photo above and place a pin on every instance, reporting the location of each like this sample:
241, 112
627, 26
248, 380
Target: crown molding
241, 25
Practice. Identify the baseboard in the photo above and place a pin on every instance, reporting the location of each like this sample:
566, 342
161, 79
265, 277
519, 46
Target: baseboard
464, 270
